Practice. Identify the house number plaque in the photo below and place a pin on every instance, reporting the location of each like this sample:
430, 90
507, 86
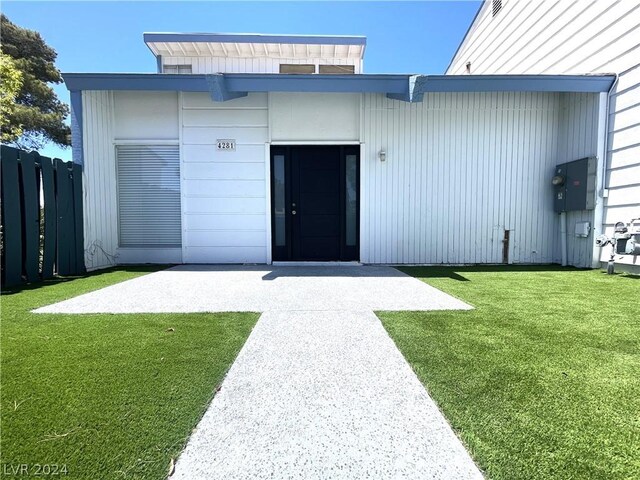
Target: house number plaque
226, 144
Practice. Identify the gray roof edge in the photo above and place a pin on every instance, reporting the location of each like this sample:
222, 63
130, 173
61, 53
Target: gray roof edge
413, 86
254, 38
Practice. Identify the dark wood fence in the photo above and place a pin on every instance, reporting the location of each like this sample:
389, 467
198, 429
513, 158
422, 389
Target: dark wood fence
41, 217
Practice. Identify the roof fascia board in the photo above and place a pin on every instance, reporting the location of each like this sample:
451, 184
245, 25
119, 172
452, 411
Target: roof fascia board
227, 86
136, 81
511, 83
254, 38
400, 87
394, 84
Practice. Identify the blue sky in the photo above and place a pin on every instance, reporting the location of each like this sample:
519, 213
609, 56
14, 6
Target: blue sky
402, 37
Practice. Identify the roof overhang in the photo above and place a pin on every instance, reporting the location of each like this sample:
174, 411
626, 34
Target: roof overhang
227, 86
255, 45
409, 88
596, 83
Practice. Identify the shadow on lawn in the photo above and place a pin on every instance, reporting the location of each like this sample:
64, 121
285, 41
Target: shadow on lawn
627, 275
455, 273
58, 279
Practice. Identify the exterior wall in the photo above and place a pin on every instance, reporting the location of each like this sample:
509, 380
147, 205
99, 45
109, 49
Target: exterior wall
146, 118
109, 119
460, 169
253, 65
99, 180
224, 194
577, 138
315, 117
573, 37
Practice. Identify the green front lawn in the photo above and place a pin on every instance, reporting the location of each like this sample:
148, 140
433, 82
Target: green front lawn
542, 379
108, 396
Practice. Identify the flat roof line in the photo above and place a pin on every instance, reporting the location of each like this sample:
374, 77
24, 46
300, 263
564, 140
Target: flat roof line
410, 88
255, 38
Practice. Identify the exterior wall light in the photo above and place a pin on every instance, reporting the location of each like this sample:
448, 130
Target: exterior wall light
382, 155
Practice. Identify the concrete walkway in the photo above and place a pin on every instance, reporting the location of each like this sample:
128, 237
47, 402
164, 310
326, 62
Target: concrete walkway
323, 395
319, 390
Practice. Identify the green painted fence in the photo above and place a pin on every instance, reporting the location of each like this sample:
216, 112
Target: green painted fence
41, 217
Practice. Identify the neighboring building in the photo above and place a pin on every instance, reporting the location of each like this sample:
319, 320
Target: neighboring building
221, 158
550, 37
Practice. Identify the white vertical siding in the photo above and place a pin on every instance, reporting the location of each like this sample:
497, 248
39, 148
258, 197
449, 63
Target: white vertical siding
253, 65
99, 180
461, 168
224, 192
577, 139
550, 37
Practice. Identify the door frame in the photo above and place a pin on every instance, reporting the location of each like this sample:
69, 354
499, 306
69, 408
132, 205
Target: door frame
275, 148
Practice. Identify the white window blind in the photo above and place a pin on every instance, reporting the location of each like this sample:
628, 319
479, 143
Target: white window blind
149, 195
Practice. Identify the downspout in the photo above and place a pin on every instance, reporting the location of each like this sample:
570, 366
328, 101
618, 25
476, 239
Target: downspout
603, 141
563, 238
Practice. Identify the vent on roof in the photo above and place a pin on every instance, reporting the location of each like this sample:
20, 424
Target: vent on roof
497, 6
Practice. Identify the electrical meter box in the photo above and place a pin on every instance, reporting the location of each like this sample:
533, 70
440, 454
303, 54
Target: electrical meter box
575, 185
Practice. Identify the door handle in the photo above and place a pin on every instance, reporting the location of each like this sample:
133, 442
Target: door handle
293, 212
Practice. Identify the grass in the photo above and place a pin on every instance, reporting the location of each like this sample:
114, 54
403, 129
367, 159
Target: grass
108, 396
542, 379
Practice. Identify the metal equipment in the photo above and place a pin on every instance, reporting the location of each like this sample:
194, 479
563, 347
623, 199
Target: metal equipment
625, 241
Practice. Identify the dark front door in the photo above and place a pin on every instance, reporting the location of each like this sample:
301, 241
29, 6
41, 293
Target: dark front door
315, 204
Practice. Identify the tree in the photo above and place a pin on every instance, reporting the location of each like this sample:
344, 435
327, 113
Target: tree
11, 83
36, 115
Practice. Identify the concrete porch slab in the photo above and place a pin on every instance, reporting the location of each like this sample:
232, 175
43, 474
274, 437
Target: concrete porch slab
212, 288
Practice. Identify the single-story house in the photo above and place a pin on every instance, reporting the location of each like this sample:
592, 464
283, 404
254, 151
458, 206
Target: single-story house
251, 148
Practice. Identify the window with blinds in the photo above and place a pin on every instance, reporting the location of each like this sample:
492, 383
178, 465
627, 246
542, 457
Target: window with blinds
148, 196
